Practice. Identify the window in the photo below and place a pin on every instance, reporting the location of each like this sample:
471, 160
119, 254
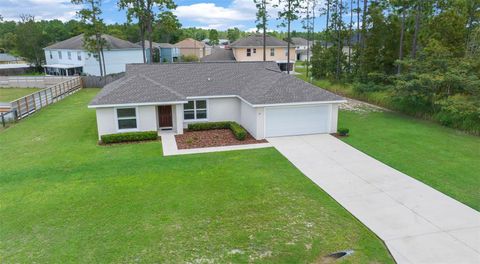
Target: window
79, 55
127, 118
286, 52
59, 54
51, 55
195, 110
254, 51
69, 55
272, 52
249, 52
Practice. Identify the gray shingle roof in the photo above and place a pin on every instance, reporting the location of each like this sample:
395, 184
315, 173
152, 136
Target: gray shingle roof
219, 54
76, 43
256, 40
258, 83
299, 41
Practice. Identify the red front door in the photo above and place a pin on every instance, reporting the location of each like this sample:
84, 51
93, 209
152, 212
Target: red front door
165, 116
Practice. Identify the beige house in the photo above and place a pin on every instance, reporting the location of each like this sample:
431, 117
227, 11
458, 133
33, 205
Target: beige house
190, 46
251, 49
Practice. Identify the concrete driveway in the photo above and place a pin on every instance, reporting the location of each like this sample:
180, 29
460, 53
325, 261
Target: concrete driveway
417, 223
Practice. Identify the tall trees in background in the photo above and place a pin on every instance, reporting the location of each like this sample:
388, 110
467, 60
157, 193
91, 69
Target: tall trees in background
213, 37
167, 25
290, 10
145, 11
29, 39
94, 28
262, 20
135, 10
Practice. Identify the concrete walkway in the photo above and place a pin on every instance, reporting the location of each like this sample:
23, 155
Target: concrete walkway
169, 146
417, 223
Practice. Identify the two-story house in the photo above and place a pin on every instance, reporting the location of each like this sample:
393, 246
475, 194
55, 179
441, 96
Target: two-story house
251, 49
69, 57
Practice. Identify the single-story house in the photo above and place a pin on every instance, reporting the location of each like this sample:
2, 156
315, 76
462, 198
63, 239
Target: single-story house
189, 47
257, 95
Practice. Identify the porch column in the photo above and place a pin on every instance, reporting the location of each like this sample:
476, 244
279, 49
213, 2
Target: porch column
179, 118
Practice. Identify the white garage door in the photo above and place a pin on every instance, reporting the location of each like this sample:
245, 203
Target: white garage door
297, 120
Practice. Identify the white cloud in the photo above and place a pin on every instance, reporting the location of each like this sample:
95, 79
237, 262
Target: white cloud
218, 17
41, 9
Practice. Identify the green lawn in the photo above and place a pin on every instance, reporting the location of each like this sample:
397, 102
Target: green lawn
446, 159
10, 94
64, 199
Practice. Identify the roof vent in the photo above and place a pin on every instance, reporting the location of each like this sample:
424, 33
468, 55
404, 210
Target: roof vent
209, 79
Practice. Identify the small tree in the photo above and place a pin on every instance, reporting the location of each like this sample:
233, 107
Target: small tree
233, 34
262, 18
213, 36
167, 25
289, 13
30, 40
94, 28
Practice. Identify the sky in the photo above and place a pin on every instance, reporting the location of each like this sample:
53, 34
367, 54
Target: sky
216, 14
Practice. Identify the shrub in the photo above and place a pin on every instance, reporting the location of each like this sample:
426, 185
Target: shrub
189, 58
343, 131
459, 111
129, 137
208, 126
238, 131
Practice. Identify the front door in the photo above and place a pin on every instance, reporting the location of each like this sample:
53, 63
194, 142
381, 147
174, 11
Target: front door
165, 116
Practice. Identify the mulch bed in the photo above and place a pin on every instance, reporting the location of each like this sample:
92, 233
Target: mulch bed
338, 135
212, 138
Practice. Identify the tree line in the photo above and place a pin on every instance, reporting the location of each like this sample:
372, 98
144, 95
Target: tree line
421, 57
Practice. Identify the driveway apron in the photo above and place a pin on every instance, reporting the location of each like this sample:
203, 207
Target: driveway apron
417, 223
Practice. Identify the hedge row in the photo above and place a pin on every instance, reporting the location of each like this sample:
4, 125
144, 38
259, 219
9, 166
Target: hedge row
129, 137
238, 131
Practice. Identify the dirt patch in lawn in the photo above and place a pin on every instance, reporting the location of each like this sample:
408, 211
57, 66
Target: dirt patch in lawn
360, 106
212, 138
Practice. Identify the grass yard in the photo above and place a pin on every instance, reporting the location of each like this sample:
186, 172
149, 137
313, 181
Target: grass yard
444, 158
65, 199
10, 94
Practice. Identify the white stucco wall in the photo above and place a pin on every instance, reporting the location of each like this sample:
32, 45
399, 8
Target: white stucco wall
115, 61
248, 118
220, 109
147, 118
106, 121
334, 118
224, 109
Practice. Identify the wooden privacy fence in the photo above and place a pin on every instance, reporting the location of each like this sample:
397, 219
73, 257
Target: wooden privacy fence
31, 103
32, 81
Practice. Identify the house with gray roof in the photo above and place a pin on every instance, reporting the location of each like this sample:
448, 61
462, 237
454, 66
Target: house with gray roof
250, 48
257, 95
69, 57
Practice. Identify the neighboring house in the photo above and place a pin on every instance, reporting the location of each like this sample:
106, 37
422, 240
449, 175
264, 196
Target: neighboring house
251, 49
167, 52
193, 47
257, 95
69, 57
6, 58
222, 43
219, 54
302, 48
